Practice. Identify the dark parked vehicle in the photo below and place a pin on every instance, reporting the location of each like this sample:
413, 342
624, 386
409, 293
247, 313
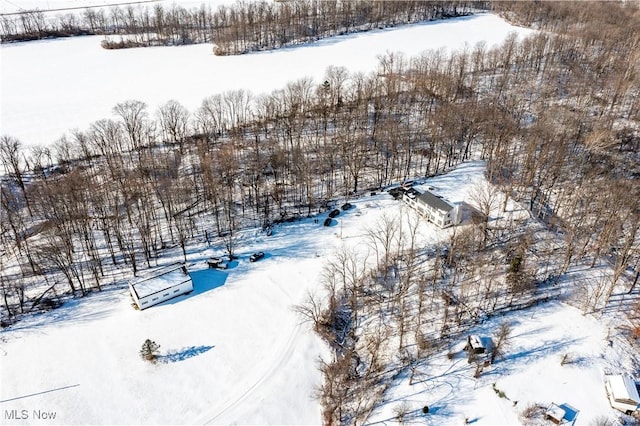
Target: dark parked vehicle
397, 192
256, 256
334, 213
327, 221
217, 263
346, 206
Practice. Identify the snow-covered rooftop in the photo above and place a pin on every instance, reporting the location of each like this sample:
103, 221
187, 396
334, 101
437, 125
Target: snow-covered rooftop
555, 412
623, 387
163, 280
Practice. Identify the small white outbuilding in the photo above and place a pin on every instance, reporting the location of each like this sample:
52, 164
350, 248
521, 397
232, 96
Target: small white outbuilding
622, 392
164, 284
555, 413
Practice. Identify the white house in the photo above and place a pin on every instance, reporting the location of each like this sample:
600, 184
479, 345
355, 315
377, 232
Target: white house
622, 393
433, 207
164, 284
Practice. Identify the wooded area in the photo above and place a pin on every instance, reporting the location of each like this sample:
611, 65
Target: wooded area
233, 29
555, 116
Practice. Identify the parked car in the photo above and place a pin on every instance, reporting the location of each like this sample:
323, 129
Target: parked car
217, 263
346, 206
256, 256
334, 213
327, 221
397, 192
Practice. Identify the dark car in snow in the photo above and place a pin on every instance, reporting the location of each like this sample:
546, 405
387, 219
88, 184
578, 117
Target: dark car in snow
346, 206
327, 221
334, 213
256, 256
217, 263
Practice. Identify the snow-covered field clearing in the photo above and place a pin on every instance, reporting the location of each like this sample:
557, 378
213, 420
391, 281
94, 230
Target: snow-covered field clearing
234, 351
50, 87
14, 6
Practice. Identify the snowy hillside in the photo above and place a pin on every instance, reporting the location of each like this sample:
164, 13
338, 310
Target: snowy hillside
64, 84
234, 351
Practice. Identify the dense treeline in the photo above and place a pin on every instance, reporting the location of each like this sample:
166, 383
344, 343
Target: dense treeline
237, 28
257, 26
560, 134
555, 116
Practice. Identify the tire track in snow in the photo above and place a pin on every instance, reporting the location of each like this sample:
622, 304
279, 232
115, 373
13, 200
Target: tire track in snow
280, 358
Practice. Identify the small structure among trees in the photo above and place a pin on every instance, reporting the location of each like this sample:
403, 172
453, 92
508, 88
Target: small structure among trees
476, 345
555, 413
163, 285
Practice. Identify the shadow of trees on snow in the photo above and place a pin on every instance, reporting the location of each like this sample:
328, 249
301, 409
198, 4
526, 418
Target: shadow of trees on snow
183, 354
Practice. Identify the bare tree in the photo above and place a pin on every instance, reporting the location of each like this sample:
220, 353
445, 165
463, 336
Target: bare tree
14, 163
135, 121
501, 341
174, 122
484, 196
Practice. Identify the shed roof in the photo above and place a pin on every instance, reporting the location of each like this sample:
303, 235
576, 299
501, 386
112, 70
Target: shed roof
555, 412
475, 341
434, 201
623, 386
162, 280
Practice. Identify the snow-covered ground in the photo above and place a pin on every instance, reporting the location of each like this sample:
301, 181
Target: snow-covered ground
14, 6
531, 372
234, 351
52, 86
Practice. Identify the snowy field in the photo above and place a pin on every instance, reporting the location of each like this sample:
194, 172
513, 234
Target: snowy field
50, 87
234, 351
13, 6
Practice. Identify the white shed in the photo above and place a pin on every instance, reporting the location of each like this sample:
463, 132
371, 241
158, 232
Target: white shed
555, 413
163, 285
474, 344
622, 392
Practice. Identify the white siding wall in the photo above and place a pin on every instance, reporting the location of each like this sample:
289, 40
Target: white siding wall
170, 293
134, 295
438, 217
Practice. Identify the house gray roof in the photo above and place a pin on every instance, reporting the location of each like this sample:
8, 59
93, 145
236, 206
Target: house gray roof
434, 201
